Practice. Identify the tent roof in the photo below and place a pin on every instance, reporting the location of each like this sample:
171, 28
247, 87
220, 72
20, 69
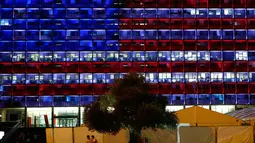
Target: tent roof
244, 114
198, 116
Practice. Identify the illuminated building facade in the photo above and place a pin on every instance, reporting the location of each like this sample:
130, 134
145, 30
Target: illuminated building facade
63, 53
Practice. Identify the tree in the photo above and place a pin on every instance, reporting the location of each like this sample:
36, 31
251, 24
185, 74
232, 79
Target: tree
129, 105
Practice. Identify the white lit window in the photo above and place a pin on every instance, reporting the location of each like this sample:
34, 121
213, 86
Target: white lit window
190, 55
191, 77
242, 55
216, 77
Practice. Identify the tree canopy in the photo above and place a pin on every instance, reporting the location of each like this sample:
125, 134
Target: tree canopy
129, 105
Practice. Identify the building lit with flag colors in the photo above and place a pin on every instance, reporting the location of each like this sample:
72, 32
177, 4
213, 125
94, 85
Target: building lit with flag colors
58, 55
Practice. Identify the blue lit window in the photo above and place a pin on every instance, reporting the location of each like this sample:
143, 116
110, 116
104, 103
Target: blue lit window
86, 34
176, 13
46, 78
47, 3
229, 99
125, 12
227, 34
251, 34
214, 13
243, 99
190, 55
20, 46
189, 34
6, 45
250, 13
33, 3
163, 13
45, 34
72, 34
85, 56
99, 23
5, 79
112, 13
240, 34
252, 76
151, 34
6, 13
72, 56
72, 78
215, 34
240, 13
228, 56
176, 34
112, 45
32, 101
86, 45
201, 13
18, 57
98, 3
229, 77
59, 78
242, 77
86, 13
99, 56
215, 56
112, 34
18, 79
189, 13
86, 23
202, 34
59, 13
61, 45
150, 13
251, 55
46, 13
32, 57
110, 77
59, 56
138, 56
72, 100
164, 34
111, 24
59, 34
178, 99
5, 57
99, 45
125, 34
191, 77
32, 79
164, 56
19, 35
177, 56
45, 56
33, 45
59, 101
191, 99
86, 99
203, 56
33, 13
6, 24
46, 23
203, 77
72, 13
99, 34
6, 3
151, 56
125, 56
217, 99
85, 78
99, 78
151, 77
177, 77
18, 101
6, 35
72, 23
138, 13
33, 23
19, 3
46, 101
19, 24
204, 99
138, 34
216, 77
164, 77
99, 13
32, 34
112, 56
227, 13
72, 45
241, 55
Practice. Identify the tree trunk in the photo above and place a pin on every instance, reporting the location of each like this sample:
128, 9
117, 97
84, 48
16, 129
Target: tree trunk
135, 138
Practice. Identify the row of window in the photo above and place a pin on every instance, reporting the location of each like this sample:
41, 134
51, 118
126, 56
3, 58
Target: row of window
101, 34
174, 99
44, 101
113, 56
84, 78
127, 13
